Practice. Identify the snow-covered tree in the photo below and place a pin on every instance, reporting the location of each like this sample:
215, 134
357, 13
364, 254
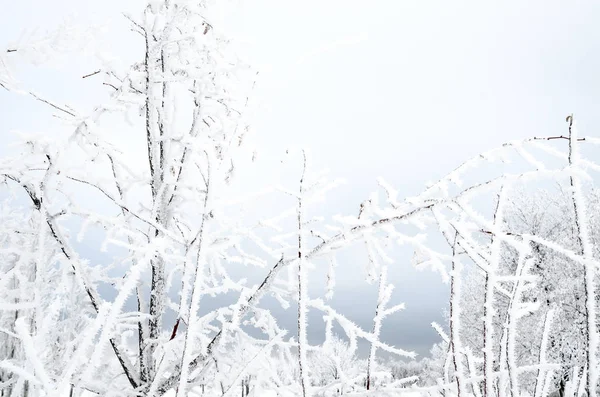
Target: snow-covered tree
176, 306
174, 226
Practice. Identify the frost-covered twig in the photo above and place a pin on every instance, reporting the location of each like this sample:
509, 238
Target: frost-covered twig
540, 379
586, 250
488, 306
302, 292
455, 294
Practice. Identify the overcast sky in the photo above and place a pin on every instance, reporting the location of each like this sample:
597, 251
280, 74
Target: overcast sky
406, 90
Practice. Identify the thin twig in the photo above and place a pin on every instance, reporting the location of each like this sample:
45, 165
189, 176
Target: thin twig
550, 138
52, 104
91, 74
112, 86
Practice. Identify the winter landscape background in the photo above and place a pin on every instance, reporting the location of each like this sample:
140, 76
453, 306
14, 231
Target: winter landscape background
167, 228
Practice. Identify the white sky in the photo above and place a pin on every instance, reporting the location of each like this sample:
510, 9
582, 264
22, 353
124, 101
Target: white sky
402, 89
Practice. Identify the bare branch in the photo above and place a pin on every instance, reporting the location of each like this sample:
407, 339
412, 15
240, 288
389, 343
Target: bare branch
91, 74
